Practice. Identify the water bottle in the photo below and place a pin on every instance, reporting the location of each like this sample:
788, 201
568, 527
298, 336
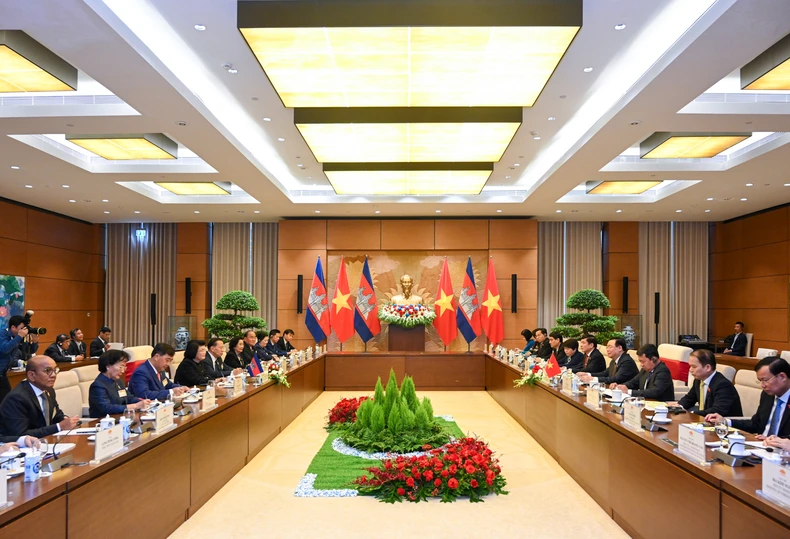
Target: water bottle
574, 384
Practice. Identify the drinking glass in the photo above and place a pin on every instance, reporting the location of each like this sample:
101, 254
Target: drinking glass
721, 429
129, 414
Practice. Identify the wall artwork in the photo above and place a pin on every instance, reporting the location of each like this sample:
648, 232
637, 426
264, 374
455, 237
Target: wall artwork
12, 297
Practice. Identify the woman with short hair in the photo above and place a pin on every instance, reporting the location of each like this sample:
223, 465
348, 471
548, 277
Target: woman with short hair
108, 394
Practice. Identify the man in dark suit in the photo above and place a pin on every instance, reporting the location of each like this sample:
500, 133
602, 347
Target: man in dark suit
575, 358
150, 380
58, 349
285, 342
544, 347
773, 412
593, 358
273, 347
77, 347
736, 343
101, 343
214, 365
711, 392
31, 408
250, 340
653, 381
555, 341
621, 369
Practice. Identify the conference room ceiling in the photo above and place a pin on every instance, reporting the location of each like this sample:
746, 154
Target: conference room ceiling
182, 70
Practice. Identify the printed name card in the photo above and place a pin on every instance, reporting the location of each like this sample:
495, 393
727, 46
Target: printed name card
632, 415
593, 398
776, 482
567, 384
108, 443
209, 399
3, 487
164, 419
691, 442
238, 387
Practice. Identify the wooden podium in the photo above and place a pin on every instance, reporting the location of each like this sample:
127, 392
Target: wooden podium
406, 339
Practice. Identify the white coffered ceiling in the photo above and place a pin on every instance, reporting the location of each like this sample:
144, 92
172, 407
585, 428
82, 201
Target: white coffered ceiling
145, 68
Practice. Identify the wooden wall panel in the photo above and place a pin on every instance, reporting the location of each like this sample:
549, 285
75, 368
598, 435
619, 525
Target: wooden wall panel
460, 234
513, 234
409, 235
621, 259
621, 237
14, 260
302, 234
45, 261
53, 294
193, 238
291, 263
193, 261
527, 293
200, 295
357, 234
55, 231
13, 225
523, 263
194, 266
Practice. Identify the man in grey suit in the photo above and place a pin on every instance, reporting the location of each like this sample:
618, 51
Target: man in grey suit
621, 369
654, 381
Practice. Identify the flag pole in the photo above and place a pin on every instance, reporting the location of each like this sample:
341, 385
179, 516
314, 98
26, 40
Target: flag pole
366, 345
469, 347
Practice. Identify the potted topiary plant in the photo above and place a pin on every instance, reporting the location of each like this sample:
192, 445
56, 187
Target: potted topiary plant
227, 326
578, 324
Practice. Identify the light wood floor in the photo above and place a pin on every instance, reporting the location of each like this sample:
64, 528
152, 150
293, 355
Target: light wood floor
543, 501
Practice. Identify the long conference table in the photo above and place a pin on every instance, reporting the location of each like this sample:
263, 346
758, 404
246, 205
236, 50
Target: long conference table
152, 487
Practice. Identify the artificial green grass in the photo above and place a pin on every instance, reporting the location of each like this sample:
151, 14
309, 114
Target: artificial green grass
336, 471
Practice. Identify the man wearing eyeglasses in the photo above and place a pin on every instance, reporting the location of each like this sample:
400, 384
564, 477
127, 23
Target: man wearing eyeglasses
773, 413
31, 408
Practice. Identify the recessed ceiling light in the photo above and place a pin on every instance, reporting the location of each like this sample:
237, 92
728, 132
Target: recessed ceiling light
587, 69
499, 211
15, 167
281, 139
516, 164
377, 211
678, 211
256, 211
197, 211
233, 70
635, 122
559, 211
787, 185
106, 212
105, 200
619, 211
744, 199
318, 211
267, 119
29, 186
438, 211
709, 199
64, 186
200, 27
507, 177
300, 165
707, 211
620, 26
536, 137
310, 178
72, 201
749, 184
552, 118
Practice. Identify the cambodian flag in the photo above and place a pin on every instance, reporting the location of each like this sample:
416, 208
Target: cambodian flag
255, 367
366, 319
317, 317
468, 314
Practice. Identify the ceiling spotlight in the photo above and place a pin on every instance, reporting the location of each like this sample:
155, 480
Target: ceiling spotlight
105, 200
516, 164
507, 177
15, 167
552, 118
787, 185
377, 211
233, 70
136, 211
318, 211
707, 211
64, 186
620, 26
709, 199
29, 186
197, 211
619, 211
678, 211
72, 201
587, 69
744, 199
267, 119
281, 139
200, 27
300, 165
438, 211
536, 137
558, 211
749, 184
499, 211
106, 212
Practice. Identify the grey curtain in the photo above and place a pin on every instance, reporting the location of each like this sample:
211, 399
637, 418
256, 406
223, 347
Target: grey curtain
137, 268
264, 270
551, 301
583, 257
691, 279
655, 273
230, 259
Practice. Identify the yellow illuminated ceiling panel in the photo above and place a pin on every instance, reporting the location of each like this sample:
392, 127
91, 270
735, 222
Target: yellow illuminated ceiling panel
622, 188
408, 142
193, 188
411, 182
119, 149
687, 147
776, 79
17, 74
409, 66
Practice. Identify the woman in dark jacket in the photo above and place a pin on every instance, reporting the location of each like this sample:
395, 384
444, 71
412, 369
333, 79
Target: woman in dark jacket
108, 394
192, 371
233, 358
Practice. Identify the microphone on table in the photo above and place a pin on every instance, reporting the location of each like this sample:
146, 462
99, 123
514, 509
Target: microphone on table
68, 460
19, 455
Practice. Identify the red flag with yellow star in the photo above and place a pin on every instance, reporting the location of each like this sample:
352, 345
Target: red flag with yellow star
445, 323
492, 307
341, 313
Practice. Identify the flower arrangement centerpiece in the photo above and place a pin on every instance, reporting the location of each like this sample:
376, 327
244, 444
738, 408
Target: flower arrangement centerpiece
465, 467
277, 374
407, 316
345, 411
531, 377
393, 421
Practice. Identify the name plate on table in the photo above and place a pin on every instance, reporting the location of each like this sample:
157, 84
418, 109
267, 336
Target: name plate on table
632, 416
567, 385
691, 443
3, 487
209, 399
238, 387
593, 398
108, 443
776, 482
163, 419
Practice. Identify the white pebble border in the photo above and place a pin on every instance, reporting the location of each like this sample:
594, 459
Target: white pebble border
306, 490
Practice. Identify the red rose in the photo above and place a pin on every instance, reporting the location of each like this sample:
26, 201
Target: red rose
388, 464
453, 468
473, 483
536, 369
416, 474
428, 475
438, 483
410, 481
445, 473
470, 469
452, 483
401, 491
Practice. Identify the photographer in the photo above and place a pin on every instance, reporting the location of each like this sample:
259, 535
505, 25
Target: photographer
10, 340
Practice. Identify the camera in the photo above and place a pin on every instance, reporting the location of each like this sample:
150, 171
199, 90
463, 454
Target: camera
33, 330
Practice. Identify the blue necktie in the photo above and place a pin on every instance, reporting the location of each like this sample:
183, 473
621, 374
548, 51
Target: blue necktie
647, 380
774, 429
